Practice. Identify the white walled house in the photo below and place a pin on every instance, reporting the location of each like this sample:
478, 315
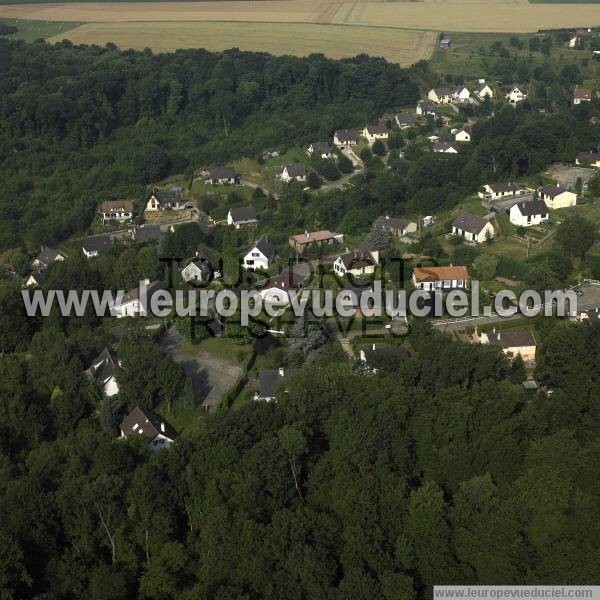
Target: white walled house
375, 132
260, 256
516, 95
462, 135
394, 226
581, 95
426, 108
277, 289
556, 196
141, 421
485, 91
46, 257
103, 370
354, 263
526, 214
498, 191
92, 246
441, 95
223, 176
445, 148
196, 270
116, 210
472, 228
345, 138
244, 215
160, 200
591, 159
462, 94
293, 172
320, 149
433, 279
136, 302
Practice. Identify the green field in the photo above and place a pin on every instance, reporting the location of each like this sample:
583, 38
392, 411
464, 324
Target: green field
470, 55
34, 30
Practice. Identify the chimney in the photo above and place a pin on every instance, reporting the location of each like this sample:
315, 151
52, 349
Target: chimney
281, 371
373, 347
162, 427
494, 330
306, 233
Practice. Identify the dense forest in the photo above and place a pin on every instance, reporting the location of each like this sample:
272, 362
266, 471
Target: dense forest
83, 124
444, 471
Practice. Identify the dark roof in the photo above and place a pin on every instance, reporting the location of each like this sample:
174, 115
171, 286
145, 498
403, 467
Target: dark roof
504, 187
553, 190
265, 247
295, 169
40, 276
443, 146
468, 222
142, 421
321, 148
116, 205
376, 129
134, 293
223, 173
346, 135
355, 260
96, 243
200, 260
399, 351
533, 207
428, 106
588, 156
146, 233
512, 339
270, 379
167, 197
104, 366
386, 223
243, 214
593, 314
406, 118
48, 255
444, 91
287, 279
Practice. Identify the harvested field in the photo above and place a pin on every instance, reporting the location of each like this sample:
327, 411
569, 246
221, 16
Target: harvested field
402, 46
447, 15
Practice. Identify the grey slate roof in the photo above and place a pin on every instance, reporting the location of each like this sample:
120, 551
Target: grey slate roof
223, 173
469, 222
295, 170
167, 198
406, 118
533, 207
504, 187
243, 214
270, 379
103, 366
146, 233
148, 424
553, 190
321, 148
265, 247
376, 129
346, 135
512, 339
96, 243
48, 255
387, 223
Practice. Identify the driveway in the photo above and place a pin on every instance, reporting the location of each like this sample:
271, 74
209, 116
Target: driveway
567, 176
211, 375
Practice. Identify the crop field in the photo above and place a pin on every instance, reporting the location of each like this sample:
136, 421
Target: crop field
401, 46
34, 30
402, 32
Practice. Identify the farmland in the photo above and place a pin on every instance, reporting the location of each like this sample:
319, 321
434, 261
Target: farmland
402, 46
34, 30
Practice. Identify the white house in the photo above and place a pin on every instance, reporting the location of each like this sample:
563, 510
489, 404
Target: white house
445, 148
556, 196
591, 159
512, 343
345, 138
160, 200
498, 191
103, 370
472, 228
92, 246
375, 132
440, 278
461, 94
525, 214
136, 302
223, 176
484, 91
141, 421
116, 210
244, 215
260, 256
581, 95
196, 270
46, 257
37, 278
426, 108
574, 42
293, 172
516, 95
355, 263
320, 149
277, 289
462, 135
441, 95
394, 226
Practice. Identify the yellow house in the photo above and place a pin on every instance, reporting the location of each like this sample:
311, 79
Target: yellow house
556, 196
513, 343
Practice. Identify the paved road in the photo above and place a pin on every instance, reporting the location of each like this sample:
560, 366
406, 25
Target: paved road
211, 375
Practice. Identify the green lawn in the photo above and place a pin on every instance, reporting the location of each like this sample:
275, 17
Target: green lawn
226, 349
34, 30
